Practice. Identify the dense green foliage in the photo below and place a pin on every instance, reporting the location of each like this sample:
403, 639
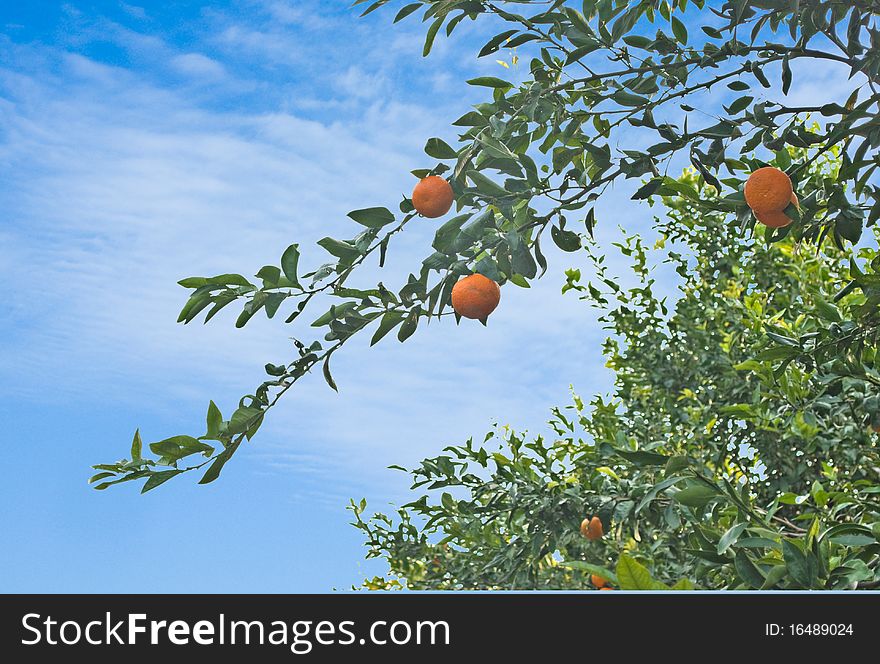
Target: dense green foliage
710, 461
612, 91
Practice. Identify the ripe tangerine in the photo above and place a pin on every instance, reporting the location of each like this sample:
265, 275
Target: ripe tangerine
475, 296
768, 189
433, 197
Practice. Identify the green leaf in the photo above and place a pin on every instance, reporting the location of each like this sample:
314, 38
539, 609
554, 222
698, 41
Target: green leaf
796, 563
774, 576
177, 447
490, 82
375, 217
675, 464
486, 186
757, 543
409, 325
747, 570
521, 260
488, 268
216, 466
646, 190
327, 376
390, 320
137, 446
439, 149
270, 275
853, 540
495, 43
157, 478
786, 75
470, 119
406, 11
335, 312
230, 280
342, 250
444, 239
625, 98
432, 33
565, 240
632, 575
194, 305
193, 282
827, 311
697, 495
100, 476
739, 105
849, 227
679, 30
243, 419
730, 537
777, 353
289, 262
214, 421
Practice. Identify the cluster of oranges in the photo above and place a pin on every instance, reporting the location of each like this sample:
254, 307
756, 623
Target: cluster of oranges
768, 192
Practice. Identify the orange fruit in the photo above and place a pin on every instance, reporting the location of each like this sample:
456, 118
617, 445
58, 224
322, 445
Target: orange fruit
592, 528
768, 190
432, 197
475, 296
606, 588
777, 219
598, 581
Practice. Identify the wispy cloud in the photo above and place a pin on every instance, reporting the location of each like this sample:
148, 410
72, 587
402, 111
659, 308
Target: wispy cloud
196, 64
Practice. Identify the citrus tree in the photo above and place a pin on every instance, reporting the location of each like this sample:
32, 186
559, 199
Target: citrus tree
613, 90
723, 459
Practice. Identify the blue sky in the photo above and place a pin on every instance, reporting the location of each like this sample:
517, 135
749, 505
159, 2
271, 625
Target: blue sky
142, 145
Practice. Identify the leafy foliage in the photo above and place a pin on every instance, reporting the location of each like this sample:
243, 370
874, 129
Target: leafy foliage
717, 461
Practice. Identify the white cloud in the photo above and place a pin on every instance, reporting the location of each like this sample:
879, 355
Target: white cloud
196, 64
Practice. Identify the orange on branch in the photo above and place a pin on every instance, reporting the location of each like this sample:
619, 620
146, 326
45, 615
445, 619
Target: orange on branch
768, 189
592, 528
475, 296
432, 197
598, 581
